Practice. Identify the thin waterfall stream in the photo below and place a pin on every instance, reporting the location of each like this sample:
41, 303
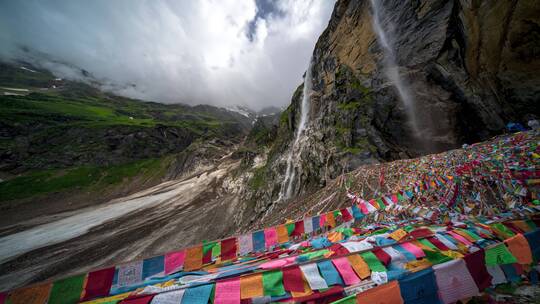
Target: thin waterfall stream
391, 68
296, 149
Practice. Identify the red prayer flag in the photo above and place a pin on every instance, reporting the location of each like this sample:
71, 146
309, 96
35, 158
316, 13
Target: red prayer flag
346, 215
228, 249
298, 228
98, 283
293, 279
382, 256
138, 300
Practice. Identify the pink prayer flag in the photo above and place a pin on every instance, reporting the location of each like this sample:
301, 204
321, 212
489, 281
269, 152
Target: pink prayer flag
322, 220
415, 250
174, 261
460, 238
363, 208
228, 292
346, 271
270, 237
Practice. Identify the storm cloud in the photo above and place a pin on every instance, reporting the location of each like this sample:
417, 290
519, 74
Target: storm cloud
219, 52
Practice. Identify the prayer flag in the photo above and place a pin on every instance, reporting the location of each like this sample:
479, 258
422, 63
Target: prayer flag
193, 259
329, 273
293, 279
454, 281
98, 283
251, 286
282, 234
67, 290
387, 293
419, 288
498, 255
174, 261
313, 277
228, 249
273, 283
258, 241
198, 294
373, 262
227, 292
359, 266
346, 271
519, 247
153, 266
30, 295
246, 244
170, 297
476, 263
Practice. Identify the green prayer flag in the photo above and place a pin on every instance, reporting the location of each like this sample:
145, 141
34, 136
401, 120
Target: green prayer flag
216, 250
472, 234
347, 300
67, 290
499, 255
290, 228
208, 246
373, 263
503, 230
435, 257
273, 283
427, 244
381, 204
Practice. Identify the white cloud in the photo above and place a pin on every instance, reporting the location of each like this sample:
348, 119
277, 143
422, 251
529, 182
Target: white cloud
174, 51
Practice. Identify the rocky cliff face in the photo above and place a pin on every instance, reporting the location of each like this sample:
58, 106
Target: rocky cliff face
471, 67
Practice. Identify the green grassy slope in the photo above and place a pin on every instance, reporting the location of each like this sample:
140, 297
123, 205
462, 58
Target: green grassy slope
63, 136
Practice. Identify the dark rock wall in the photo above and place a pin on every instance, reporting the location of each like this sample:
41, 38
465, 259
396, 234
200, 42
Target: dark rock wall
472, 67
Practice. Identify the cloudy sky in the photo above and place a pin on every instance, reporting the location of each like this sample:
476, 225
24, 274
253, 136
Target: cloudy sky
221, 52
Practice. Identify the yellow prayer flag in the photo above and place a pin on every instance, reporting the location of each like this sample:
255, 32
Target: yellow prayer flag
359, 265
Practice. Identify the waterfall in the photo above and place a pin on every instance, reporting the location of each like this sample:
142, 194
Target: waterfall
296, 148
391, 68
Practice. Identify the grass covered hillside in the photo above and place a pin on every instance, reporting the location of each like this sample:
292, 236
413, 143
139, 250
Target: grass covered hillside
58, 136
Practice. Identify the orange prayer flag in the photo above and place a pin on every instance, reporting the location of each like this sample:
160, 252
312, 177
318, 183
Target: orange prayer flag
383, 294
251, 286
335, 236
519, 247
282, 234
194, 257
330, 219
359, 265
31, 295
